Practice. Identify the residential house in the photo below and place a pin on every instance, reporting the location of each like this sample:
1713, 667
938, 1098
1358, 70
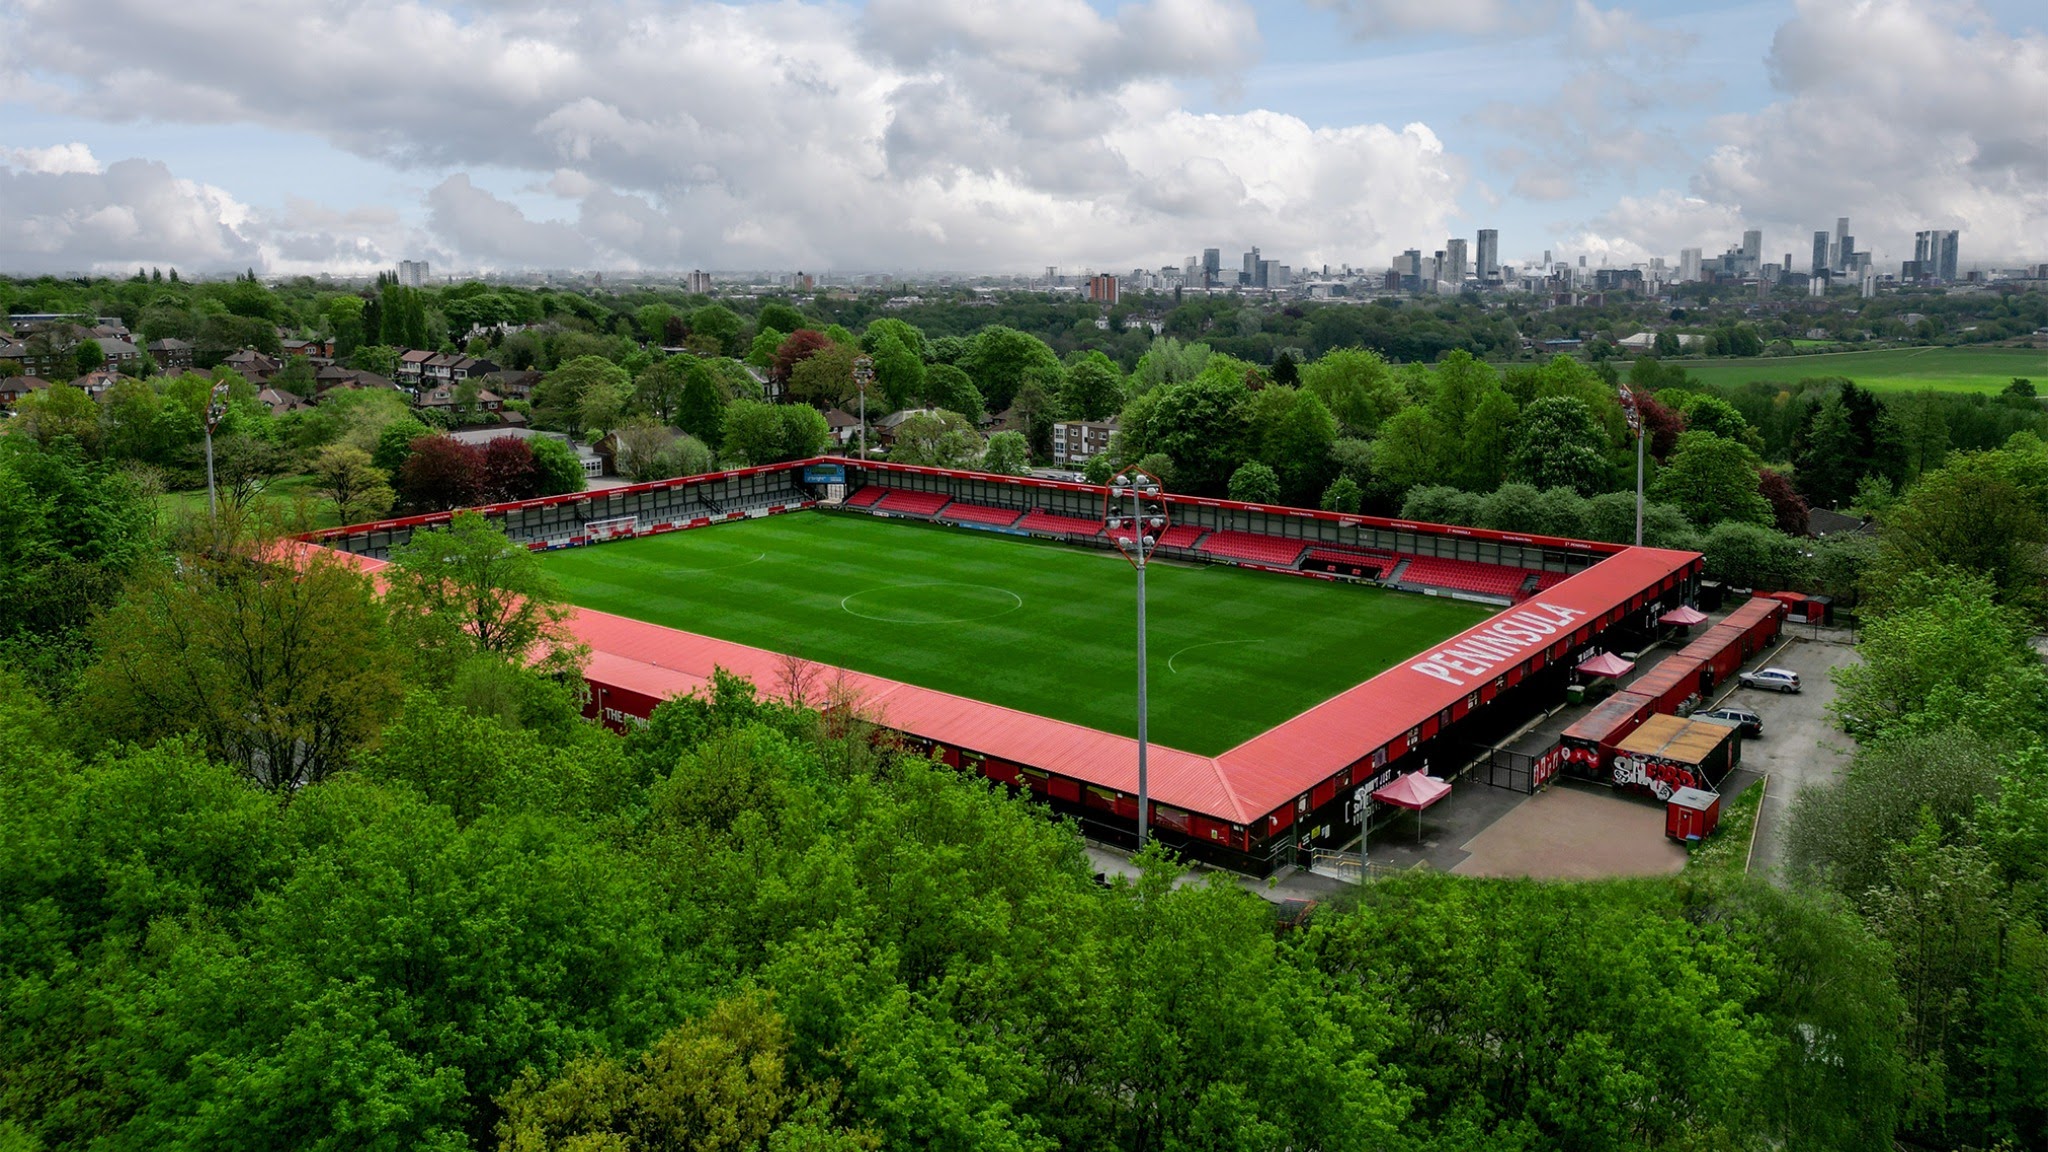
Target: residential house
13, 388
318, 351
251, 365
280, 401
845, 426
171, 354
329, 379
1074, 441
117, 350
448, 398
511, 383
886, 427
1824, 522
412, 367
96, 384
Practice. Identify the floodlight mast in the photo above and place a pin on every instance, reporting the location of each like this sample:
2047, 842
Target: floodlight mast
863, 375
1136, 534
216, 409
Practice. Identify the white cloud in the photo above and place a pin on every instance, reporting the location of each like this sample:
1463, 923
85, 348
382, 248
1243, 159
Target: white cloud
1902, 114
57, 159
913, 133
1372, 19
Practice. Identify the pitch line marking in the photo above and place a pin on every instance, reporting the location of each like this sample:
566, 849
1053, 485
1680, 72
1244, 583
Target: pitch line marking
848, 609
1204, 644
727, 567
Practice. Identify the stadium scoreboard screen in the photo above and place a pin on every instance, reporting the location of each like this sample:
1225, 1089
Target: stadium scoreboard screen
825, 474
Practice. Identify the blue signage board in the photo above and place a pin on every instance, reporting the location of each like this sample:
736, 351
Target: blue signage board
825, 474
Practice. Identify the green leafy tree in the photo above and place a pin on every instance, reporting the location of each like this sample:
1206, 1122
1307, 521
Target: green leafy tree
1410, 445
558, 400
1343, 495
658, 388
1254, 483
557, 468
950, 388
1093, 388
467, 589
700, 405
347, 477
1007, 454
1001, 360
899, 370
936, 440
281, 663
1980, 513
825, 378
1199, 424
1945, 654
1751, 556
1559, 445
780, 317
1713, 480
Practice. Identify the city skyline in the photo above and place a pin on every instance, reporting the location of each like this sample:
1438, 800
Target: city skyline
907, 135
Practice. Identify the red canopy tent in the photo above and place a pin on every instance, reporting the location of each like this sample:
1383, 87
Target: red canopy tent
1684, 616
1411, 790
1605, 664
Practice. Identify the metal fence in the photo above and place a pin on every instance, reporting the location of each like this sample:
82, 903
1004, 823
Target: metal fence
1515, 771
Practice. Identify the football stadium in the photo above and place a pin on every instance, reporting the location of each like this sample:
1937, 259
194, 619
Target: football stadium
1297, 659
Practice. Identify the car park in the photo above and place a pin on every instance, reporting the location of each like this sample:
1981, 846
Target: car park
1748, 723
1776, 679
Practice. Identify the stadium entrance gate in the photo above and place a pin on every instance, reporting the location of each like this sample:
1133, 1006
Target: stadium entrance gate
1515, 771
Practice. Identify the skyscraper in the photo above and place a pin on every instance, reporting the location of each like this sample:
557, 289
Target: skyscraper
1250, 276
1454, 261
1212, 266
1820, 254
1688, 265
412, 273
1752, 252
1489, 253
1838, 256
1944, 254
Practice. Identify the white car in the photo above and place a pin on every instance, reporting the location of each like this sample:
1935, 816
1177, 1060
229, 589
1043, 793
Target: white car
1776, 679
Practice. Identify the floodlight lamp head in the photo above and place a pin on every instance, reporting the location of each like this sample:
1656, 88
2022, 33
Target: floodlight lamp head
1149, 542
1119, 481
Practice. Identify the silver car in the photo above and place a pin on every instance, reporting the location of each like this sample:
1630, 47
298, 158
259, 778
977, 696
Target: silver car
1776, 679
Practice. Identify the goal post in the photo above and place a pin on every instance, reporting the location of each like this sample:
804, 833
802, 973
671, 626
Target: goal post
615, 528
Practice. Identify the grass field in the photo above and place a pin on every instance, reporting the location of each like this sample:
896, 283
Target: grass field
1888, 369
1030, 625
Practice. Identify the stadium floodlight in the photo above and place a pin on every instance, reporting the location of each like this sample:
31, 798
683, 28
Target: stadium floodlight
216, 410
1136, 531
1635, 424
863, 375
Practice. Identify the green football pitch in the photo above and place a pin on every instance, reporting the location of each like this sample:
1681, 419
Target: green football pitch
1031, 625
1979, 369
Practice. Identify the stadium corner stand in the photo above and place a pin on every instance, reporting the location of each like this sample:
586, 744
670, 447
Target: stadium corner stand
1249, 808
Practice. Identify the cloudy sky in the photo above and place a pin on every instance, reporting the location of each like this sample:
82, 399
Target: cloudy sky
989, 135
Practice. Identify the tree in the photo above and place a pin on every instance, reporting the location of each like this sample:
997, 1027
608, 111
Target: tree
1975, 514
700, 406
1749, 556
507, 471
442, 473
1001, 360
899, 369
1357, 387
644, 451
718, 329
1199, 424
760, 433
1343, 495
1945, 654
936, 439
1788, 510
1168, 361
558, 398
658, 389
1093, 389
824, 378
88, 356
780, 317
950, 388
800, 346
279, 661
1254, 483
1007, 454
604, 403
556, 467
1559, 445
59, 412
1712, 480
467, 589
345, 475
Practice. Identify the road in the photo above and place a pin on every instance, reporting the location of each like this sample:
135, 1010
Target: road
1801, 745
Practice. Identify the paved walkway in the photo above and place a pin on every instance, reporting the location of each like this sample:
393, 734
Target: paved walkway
1576, 831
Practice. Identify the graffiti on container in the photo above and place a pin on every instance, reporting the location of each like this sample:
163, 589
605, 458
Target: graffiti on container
1659, 777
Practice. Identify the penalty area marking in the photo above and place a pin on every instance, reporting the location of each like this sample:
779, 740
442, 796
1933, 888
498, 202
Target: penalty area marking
1016, 602
1204, 644
727, 567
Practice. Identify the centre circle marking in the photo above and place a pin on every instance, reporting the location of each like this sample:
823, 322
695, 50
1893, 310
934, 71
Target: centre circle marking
846, 603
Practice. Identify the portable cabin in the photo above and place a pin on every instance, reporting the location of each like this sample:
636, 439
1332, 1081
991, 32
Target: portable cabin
1691, 814
1590, 742
1666, 753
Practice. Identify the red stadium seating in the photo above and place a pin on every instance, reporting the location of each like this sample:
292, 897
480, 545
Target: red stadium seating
867, 496
912, 503
1255, 547
1465, 576
1381, 562
1547, 579
980, 514
1175, 536
1036, 521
